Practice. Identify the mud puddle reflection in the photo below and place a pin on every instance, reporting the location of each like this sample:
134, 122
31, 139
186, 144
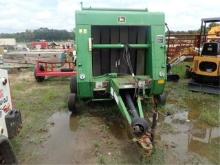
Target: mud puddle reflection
192, 140
87, 139
62, 139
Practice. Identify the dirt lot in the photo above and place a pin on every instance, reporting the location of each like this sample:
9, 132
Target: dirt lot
190, 134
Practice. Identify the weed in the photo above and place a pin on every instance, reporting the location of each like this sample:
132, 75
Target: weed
96, 144
101, 159
104, 128
157, 158
210, 117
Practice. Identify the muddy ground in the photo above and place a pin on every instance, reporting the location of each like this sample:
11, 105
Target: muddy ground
188, 130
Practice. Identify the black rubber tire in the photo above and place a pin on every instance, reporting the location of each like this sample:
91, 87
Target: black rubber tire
39, 78
7, 155
73, 85
142, 124
72, 103
66, 70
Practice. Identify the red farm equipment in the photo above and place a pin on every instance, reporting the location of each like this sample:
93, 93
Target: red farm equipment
65, 67
40, 45
53, 69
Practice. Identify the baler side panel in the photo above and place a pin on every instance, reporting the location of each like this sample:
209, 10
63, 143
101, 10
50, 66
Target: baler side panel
157, 61
84, 61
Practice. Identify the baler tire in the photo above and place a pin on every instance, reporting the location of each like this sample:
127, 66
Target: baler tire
7, 155
73, 85
141, 123
39, 78
72, 103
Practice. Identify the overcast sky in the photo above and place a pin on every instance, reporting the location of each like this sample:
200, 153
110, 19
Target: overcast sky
19, 15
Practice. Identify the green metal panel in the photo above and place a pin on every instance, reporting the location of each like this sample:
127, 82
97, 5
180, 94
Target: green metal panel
123, 109
119, 46
155, 64
157, 60
140, 109
111, 17
84, 66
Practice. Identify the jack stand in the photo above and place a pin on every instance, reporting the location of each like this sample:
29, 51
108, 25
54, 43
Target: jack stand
147, 140
155, 118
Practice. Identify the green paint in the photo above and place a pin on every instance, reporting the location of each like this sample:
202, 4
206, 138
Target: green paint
140, 107
123, 109
155, 64
118, 46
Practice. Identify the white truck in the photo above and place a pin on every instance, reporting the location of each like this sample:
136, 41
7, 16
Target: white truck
10, 121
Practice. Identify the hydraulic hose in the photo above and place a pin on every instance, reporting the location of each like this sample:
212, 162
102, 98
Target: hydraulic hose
131, 106
140, 125
127, 58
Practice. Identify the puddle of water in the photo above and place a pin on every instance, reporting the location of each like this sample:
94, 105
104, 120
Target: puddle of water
61, 139
72, 140
192, 138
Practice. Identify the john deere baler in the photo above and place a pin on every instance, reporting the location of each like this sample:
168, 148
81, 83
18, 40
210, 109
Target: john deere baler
121, 55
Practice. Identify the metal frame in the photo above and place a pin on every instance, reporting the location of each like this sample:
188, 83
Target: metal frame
127, 89
51, 69
203, 35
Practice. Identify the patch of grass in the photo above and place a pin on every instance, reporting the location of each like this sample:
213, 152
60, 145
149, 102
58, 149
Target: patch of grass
104, 128
210, 117
101, 159
105, 109
37, 102
96, 144
214, 151
157, 158
84, 121
201, 107
21, 86
31, 69
166, 128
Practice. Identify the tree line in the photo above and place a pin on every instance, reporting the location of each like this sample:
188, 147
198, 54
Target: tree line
40, 34
193, 32
60, 35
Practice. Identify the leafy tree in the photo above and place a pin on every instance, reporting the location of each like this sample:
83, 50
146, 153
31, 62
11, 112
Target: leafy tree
40, 34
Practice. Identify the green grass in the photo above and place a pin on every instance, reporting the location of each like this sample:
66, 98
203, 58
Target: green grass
201, 107
157, 158
166, 128
212, 118
101, 159
37, 102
